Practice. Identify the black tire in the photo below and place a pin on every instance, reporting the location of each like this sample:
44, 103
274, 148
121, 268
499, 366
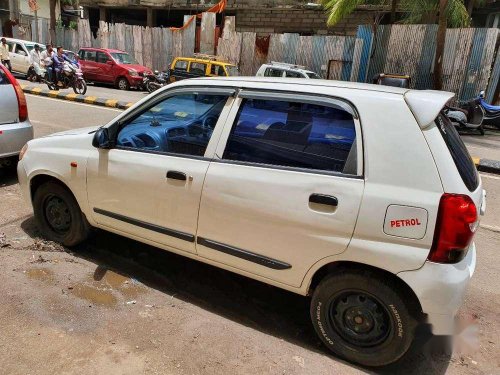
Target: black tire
58, 215
80, 87
362, 318
122, 84
151, 86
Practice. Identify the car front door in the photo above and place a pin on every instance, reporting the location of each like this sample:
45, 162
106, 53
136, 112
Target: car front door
19, 59
149, 185
285, 188
179, 70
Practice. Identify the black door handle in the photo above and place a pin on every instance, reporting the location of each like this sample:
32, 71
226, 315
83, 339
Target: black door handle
175, 175
324, 199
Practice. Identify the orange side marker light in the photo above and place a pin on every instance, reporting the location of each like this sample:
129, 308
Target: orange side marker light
74, 164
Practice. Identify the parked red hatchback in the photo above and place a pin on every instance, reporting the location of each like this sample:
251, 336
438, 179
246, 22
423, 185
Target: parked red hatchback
111, 66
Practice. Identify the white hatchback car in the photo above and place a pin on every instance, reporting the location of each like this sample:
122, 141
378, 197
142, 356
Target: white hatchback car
362, 196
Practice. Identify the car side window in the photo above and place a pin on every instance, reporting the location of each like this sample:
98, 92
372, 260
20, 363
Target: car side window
180, 124
293, 134
181, 65
198, 68
102, 57
20, 50
90, 55
291, 74
217, 70
272, 72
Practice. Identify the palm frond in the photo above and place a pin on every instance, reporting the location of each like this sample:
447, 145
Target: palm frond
339, 9
456, 14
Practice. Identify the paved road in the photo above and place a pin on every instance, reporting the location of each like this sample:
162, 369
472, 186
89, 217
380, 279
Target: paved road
120, 307
100, 91
487, 147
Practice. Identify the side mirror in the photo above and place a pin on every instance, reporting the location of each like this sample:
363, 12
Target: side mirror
482, 94
101, 139
110, 62
22, 53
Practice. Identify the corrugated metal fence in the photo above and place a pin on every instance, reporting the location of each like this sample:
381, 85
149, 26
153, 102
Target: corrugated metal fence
410, 49
471, 62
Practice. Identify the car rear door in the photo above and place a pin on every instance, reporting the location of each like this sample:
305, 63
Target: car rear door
285, 187
149, 185
88, 64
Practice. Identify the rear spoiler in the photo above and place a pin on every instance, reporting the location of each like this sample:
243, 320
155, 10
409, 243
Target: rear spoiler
426, 104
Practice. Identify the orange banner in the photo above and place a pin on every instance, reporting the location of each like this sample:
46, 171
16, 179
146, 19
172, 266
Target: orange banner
217, 8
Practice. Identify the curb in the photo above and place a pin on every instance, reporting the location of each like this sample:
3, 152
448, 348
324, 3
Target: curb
87, 99
487, 165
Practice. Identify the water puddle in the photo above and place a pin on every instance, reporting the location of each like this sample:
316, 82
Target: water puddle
102, 288
101, 297
108, 289
41, 274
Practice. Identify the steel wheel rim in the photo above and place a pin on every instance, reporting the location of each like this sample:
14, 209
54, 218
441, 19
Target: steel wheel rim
359, 318
122, 84
57, 214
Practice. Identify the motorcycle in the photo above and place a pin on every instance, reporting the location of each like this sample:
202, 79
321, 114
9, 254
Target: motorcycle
469, 115
491, 112
155, 81
71, 76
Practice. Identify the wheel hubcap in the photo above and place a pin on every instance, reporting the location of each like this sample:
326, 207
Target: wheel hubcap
359, 319
57, 214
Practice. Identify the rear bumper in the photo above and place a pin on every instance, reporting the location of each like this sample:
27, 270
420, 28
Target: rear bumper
13, 137
440, 289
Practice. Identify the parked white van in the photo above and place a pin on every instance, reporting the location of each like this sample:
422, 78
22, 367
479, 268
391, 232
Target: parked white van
20, 54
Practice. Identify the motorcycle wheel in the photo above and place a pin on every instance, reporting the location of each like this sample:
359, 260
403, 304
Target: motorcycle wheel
31, 75
80, 87
151, 86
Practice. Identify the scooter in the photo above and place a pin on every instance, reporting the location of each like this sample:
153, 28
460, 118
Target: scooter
491, 112
470, 115
153, 82
71, 76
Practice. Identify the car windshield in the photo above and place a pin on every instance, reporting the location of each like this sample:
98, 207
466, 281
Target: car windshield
232, 70
123, 58
313, 75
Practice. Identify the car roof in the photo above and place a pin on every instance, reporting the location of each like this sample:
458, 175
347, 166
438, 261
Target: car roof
424, 104
194, 59
21, 41
288, 68
111, 50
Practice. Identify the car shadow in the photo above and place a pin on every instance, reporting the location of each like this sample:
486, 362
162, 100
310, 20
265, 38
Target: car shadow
248, 302
8, 176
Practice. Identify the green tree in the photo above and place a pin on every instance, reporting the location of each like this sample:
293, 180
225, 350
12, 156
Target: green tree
446, 13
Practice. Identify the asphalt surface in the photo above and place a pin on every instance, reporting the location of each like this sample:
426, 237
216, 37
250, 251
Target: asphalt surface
101, 91
116, 306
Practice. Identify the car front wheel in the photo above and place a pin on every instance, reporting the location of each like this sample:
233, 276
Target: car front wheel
58, 215
123, 84
362, 318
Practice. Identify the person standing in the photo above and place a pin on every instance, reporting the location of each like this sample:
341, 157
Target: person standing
4, 54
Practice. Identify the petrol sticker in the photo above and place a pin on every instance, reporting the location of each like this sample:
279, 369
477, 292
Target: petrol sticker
406, 221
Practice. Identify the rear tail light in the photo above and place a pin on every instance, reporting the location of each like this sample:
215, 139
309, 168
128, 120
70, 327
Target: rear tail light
21, 99
456, 224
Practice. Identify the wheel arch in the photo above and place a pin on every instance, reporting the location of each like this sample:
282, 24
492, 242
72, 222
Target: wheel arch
42, 178
343, 266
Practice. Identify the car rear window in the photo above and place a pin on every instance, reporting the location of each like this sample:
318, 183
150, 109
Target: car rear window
458, 152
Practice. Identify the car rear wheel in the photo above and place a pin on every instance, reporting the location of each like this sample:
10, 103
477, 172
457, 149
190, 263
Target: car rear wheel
122, 84
362, 318
58, 215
